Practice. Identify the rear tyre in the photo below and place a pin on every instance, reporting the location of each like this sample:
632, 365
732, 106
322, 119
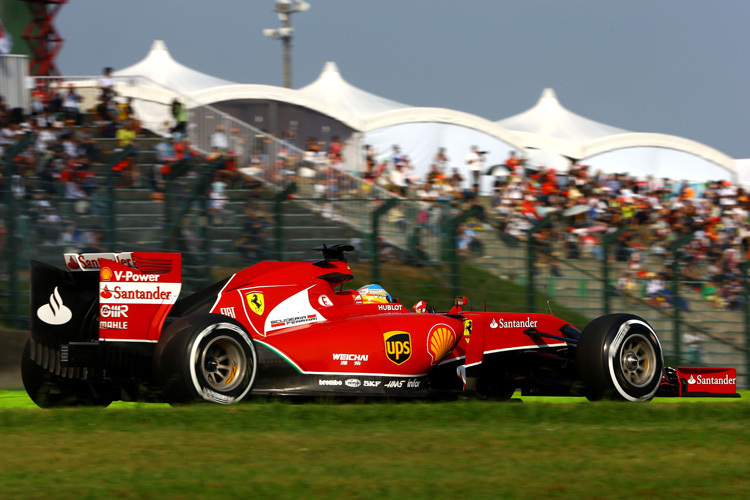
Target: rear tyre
619, 357
205, 357
48, 390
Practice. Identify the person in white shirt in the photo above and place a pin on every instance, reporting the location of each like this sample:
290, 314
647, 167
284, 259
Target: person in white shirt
475, 160
107, 83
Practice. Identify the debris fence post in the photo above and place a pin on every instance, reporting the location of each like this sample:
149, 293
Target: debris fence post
12, 228
531, 264
606, 246
451, 245
375, 235
110, 231
279, 219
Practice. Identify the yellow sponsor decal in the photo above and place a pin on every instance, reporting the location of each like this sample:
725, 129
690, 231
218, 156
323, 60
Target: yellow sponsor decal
439, 341
256, 302
468, 325
397, 346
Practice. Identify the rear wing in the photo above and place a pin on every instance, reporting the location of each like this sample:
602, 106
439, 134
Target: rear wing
127, 299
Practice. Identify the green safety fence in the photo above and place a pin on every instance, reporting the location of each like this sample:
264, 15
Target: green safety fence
433, 251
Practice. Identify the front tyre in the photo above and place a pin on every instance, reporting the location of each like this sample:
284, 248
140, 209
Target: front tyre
205, 357
619, 357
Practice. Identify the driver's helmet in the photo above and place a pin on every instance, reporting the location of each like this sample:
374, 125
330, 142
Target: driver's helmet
374, 294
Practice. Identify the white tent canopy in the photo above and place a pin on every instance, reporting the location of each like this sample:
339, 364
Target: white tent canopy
742, 167
658, 163
331, 88
155, 81
548, 118
548, 134
159, 67
549, 127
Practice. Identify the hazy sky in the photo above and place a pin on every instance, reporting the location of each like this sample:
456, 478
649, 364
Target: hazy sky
671, 66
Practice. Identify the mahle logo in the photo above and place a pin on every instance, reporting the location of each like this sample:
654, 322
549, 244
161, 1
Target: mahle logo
256, 302
397, 346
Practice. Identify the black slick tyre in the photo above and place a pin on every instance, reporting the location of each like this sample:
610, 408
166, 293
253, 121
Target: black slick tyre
205, 357
619, 357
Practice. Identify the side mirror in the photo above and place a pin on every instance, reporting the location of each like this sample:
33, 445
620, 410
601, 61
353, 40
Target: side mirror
457, 303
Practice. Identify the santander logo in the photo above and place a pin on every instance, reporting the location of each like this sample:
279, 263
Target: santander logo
705, 380
73, 264
54, 313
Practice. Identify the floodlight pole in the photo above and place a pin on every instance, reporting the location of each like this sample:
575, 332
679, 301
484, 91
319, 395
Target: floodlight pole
285, 9
286, 42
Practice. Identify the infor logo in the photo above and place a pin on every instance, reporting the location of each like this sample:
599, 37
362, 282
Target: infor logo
397, 346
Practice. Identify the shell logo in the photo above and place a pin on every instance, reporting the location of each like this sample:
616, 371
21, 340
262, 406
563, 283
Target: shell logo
440, 341
105, 274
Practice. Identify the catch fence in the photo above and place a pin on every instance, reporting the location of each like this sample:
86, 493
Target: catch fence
429, 250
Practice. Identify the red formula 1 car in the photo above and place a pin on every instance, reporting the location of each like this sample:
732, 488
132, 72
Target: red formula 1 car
110, 327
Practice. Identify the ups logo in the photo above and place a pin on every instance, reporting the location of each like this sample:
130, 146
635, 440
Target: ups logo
397, 346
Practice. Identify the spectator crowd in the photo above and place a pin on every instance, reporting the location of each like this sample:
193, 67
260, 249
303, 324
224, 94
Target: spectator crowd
642, 216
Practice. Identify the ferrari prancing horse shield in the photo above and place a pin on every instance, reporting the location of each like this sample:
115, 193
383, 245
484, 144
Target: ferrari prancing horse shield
256, 302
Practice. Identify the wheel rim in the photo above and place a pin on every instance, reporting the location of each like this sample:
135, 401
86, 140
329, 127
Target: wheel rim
223, 364
638, 360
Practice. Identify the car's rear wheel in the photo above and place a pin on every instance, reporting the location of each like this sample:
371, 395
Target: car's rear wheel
48, 390
206, 357
619, 357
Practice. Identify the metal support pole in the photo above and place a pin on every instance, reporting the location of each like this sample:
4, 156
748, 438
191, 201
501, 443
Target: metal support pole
452, 247
177, 170
746, 310
606, 245
110, 231
204, 227
531, 264
279, 217
287, 43
375, 235
12, 228
676, 253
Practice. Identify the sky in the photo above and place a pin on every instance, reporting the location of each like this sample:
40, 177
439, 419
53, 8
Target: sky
676, 67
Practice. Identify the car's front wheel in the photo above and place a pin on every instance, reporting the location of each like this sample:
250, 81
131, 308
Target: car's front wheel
206, 357
619, 357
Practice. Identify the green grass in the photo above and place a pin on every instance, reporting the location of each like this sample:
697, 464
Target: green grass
485, 291
459, 449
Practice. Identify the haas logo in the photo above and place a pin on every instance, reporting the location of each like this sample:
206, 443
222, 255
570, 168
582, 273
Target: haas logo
54, 313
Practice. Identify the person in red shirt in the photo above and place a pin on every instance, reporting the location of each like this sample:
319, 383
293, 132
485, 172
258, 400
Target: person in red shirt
513, 163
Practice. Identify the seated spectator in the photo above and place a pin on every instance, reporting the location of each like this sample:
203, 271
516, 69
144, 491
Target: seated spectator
71, 102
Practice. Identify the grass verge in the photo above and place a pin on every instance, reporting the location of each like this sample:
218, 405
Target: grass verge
476, 449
